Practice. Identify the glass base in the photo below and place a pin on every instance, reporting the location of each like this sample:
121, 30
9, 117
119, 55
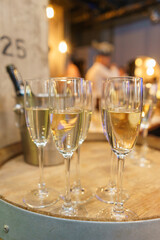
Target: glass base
108, 195
71, 210
68, 211
81, 195
110, 214
41, 198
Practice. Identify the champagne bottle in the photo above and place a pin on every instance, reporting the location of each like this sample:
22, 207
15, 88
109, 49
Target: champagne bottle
16, 78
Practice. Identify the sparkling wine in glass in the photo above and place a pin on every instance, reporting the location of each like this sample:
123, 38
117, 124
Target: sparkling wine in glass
66, 113
81, 194
123, 108
36, 102
107, 193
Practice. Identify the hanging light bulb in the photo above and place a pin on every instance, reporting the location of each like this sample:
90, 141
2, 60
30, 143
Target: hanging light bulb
150, 71
63, 47
50, 11
150, 63
138, 62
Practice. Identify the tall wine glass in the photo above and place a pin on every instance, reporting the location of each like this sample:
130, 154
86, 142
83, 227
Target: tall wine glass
81, 194
149, 106
66, 107
107, 193
36, 102
123, 107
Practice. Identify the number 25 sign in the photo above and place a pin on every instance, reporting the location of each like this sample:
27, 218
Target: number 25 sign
7, 44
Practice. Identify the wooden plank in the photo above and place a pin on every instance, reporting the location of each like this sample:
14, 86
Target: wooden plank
18, 177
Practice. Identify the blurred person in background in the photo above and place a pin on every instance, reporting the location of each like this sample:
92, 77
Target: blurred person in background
122, 71
101, 69
72, 68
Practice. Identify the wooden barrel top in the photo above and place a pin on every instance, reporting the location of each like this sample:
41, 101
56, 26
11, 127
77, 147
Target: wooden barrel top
142, 184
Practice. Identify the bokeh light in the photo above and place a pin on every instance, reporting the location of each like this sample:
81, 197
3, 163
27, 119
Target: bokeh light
63, 47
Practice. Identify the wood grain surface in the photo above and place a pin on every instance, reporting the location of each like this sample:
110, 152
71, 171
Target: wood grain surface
142, 184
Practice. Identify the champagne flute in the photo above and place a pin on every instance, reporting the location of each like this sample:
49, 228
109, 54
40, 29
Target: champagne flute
36, 102
107, 193
123, 107
66, 112
149, 106
80, 194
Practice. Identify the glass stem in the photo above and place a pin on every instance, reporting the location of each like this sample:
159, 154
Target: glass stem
145, 145
112, 170
119, 204
41, 184
78, 179
67, 202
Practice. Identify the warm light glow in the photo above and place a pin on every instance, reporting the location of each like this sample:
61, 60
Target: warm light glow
158, 94
50, 12
143, 114
148, 85
138, 62
150, 63
63, 47
138, 72
150, 71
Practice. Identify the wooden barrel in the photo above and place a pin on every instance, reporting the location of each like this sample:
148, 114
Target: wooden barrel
143, 184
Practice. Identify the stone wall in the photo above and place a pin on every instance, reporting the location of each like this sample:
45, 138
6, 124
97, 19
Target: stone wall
23, 42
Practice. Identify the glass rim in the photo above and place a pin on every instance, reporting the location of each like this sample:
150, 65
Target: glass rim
86, 80
130, 78
66, 78
53, 78
36, 80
